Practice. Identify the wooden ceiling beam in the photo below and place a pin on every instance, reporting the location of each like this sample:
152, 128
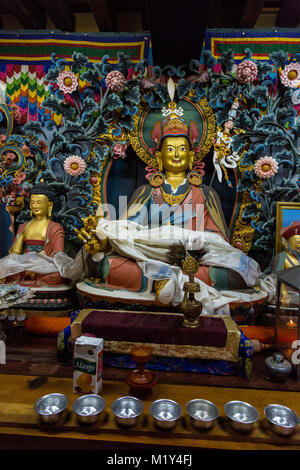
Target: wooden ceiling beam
289, 14
214, 13
60, 14
251, 12
29, 13
102, 15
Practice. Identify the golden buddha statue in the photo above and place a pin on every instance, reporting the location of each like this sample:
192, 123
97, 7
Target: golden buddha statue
175, 196
40, 236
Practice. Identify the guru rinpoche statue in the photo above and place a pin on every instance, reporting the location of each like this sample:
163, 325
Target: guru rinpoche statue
174, 197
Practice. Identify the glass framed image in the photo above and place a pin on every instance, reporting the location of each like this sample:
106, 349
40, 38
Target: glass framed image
286, 214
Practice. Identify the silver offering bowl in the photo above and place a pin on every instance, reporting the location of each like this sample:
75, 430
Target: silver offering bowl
282, 420
242, 416
166, 413
50, 407
88, 408
202, 413
127, 410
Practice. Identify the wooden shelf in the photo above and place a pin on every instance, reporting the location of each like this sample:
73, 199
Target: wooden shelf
18, 419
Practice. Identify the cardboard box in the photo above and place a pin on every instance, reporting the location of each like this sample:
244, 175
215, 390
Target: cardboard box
88, 365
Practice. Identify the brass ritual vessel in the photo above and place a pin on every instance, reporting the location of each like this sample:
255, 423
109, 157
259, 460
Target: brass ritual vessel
191, 307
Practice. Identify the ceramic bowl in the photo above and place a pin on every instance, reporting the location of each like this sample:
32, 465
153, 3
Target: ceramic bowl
88, 408
166, 413
242, 415
50, 407
202, 413
127, 410
282, 420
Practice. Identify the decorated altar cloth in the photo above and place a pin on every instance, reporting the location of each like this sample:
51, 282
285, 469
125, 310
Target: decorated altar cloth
217, 346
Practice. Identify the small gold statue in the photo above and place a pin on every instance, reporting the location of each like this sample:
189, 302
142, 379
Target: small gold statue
40, 235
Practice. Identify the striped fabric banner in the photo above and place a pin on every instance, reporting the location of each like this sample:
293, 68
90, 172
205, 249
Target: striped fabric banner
37, 47
25, 58
261, 42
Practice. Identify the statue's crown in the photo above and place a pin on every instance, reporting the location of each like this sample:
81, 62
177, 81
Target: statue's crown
174, 126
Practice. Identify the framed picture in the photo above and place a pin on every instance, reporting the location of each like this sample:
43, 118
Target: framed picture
286, 213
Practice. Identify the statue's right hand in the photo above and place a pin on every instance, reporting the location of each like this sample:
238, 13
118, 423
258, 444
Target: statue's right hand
91, 243
83, 235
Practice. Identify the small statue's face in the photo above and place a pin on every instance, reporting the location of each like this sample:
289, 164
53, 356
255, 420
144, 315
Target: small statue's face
175, 154
39, 204
228, 125
294, 243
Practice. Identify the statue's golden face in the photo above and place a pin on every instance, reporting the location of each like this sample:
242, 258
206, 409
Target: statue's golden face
175, 154
39, 204
294, 243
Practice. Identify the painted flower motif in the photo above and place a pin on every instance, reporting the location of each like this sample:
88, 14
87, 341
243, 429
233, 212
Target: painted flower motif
115, 81
246, 71
2, 138
146, 84
26, 150
18, 179
16, 112
119, 150
265, 167
290, 76
67, 81
74, 165
8, 158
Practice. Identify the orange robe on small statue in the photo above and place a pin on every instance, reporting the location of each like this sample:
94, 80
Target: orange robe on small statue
53, 244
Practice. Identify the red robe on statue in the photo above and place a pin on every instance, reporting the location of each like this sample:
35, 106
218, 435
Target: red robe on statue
53, 244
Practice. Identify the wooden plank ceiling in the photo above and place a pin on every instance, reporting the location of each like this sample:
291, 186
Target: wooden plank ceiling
171, 27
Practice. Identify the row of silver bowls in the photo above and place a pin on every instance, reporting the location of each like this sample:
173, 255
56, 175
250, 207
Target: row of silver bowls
166, 413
